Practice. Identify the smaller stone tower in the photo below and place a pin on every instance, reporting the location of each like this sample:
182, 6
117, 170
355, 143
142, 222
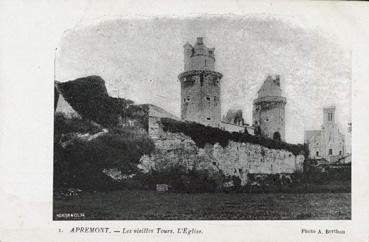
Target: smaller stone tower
269, 109
200, 85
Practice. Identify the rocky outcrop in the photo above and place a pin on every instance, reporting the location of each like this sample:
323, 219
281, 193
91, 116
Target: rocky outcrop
233, 159
89, 98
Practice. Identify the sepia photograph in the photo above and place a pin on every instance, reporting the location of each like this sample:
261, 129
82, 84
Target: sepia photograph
175, 120
203, 118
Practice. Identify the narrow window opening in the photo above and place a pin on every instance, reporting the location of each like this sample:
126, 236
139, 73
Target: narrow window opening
317, 153
330, 151
330, 116
277, 136
208, 118
201, 79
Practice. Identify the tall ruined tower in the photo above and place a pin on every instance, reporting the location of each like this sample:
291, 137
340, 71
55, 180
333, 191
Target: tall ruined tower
200, 85
269, 109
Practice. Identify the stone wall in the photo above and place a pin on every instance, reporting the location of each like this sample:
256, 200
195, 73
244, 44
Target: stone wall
200, 97
269, 113
236, 158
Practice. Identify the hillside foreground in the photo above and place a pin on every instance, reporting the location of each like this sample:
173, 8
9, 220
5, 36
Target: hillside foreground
151, 205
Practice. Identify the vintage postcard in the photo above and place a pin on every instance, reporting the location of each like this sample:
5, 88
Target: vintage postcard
178, 125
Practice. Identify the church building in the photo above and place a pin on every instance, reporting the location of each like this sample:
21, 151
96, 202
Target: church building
327, 143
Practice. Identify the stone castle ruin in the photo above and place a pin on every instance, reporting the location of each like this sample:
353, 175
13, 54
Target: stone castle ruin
201, 97
201, 103
200, 139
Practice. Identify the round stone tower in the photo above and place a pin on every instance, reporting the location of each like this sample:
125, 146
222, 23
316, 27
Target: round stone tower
200, 85
269, 110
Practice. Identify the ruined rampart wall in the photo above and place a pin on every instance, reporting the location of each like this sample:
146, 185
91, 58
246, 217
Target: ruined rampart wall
236, 158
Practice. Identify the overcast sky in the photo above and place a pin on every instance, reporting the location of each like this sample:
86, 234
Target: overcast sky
140, 59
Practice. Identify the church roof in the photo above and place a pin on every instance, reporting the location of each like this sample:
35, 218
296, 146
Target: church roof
309, 134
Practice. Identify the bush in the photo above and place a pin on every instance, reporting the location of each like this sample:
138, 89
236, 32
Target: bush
205, 134
183, 180
89, 97
81, 162
64, 125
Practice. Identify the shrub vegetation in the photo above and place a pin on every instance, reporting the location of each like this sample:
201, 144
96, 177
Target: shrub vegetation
205, 134
89, 97
80, 163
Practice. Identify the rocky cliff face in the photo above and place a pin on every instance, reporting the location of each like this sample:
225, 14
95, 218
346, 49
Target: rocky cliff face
235, 159
174, 149
241, 159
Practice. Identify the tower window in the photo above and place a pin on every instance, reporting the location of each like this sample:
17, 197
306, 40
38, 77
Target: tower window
216, 99
267, 119
187, 99
208, 98
330, 116
340, 152
330, 151
317, 153
208, 118
277, 136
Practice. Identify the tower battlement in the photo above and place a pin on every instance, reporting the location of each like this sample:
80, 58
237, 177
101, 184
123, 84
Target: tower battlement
198, 56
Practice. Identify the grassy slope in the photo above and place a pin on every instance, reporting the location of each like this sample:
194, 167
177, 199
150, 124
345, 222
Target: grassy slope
139, 205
